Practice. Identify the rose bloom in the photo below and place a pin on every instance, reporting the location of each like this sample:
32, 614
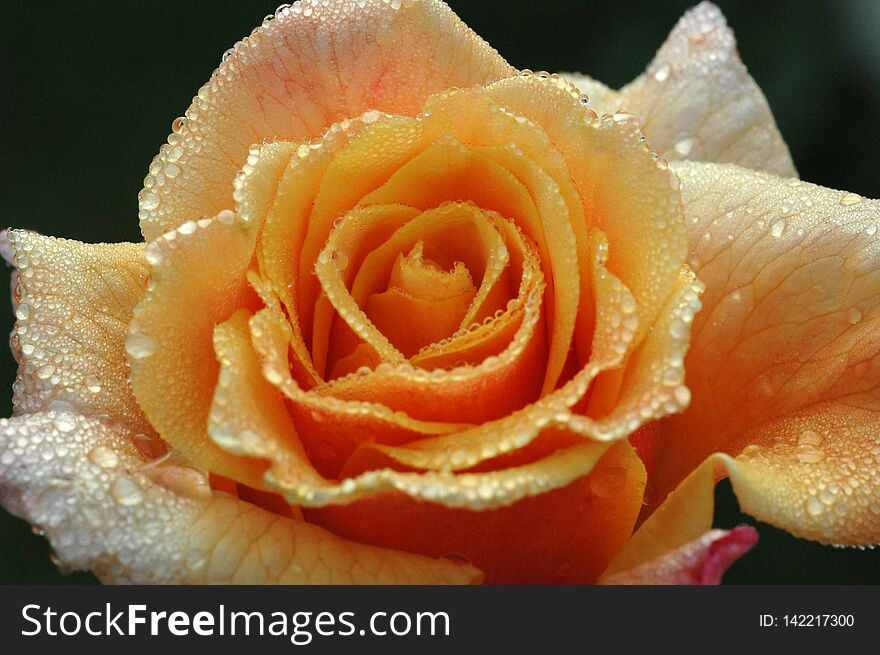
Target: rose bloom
403, 313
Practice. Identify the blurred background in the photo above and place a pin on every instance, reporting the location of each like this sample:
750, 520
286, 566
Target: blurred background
89, 91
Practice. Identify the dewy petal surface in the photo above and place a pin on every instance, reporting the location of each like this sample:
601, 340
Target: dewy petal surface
314, 64
697, 101
75, 301
81, 481
792, 305
198, 280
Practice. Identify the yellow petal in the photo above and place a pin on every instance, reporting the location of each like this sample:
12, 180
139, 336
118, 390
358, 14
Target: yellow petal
102, 508
697, 101
316, 63
790, 320
76, 301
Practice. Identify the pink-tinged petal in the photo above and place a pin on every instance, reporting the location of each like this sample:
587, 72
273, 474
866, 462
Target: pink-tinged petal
697, 101
312, 65
790, 316
700, 562
73, 303
82, 482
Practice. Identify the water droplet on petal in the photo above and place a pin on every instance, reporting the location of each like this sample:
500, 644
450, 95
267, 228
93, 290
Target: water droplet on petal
194, 559
662, 73
850, 199
126, 491
814, 506
65, 423
777, 227
340, 260
140, 345
808, 454
854, 315
104, 457
684, 147
810, 437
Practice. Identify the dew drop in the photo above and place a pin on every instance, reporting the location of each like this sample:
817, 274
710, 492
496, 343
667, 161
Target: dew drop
125, 491
153, 254
871, 230
45, 371
850, 199
150, 201
65, 423
777, 227
814, 506
92, 383
808, 454
194, 559
684, 147
662, 73
188, 227
23, 311
178, 123
854, 315
140, 345
810, 437
340, 260
104, 457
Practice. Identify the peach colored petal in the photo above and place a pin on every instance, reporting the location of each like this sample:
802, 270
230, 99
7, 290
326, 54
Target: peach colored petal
816, 475
198, 280
563, 536
626, 192
75, 302
697, 101
790, 311
82, 482
702, 562
312, 65
286, 223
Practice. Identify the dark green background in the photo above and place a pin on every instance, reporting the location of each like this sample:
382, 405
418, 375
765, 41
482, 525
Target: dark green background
89, 92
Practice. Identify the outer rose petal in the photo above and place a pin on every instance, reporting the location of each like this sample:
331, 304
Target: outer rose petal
81, 481
697, 101
75, 305
316, 63
791, 317
701, 562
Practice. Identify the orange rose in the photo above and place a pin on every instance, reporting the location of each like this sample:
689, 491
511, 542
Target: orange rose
401, 305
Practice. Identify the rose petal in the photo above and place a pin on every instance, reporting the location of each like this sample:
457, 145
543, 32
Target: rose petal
791, 311
626, 192
294, 476
81, 481
316, 63
702, 562
564, 536
697, 101
198, 280
76, 300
